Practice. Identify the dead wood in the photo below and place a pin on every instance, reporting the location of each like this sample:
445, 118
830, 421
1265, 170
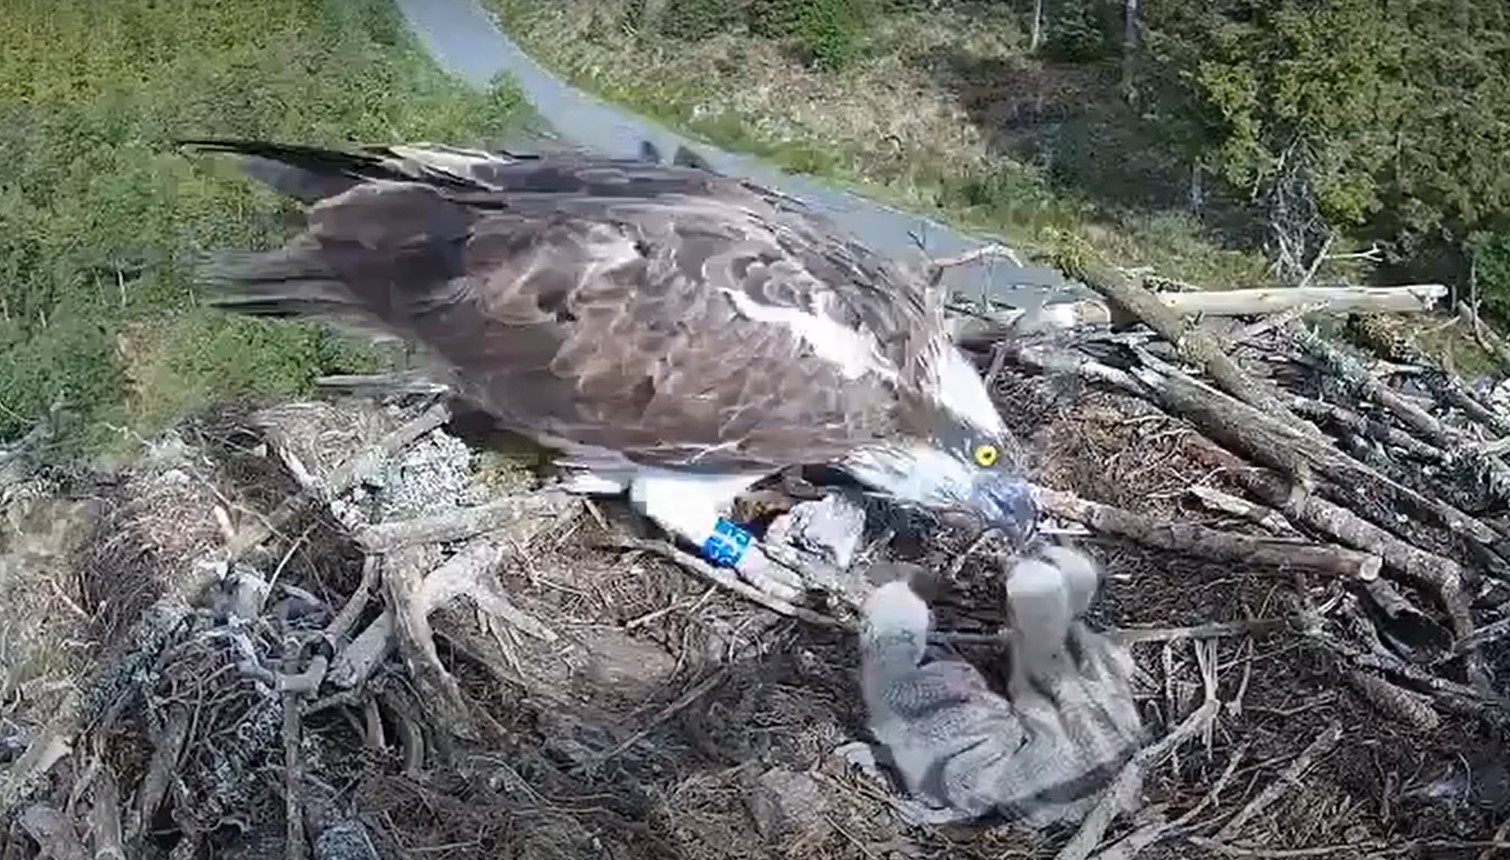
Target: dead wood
1347, 421
1190, 339
342, 480
295, 845
1214, 544
1348, 369
1220, 502
167, 749
1265, 440
1488, 339
1410, 708
105, 815
1413, 298
1443, 576
1122, 794
470, 572
532, 512
403, 581
54, 832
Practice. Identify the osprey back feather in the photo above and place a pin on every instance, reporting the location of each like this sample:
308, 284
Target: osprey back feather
636, 314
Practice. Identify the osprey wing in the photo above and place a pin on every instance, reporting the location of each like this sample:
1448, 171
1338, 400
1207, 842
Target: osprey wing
672, 315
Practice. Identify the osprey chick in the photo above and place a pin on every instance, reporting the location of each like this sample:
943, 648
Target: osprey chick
677, 333
1040, 755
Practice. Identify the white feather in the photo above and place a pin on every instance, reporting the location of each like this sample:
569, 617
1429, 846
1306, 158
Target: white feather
960, 388
914, 472
855, 352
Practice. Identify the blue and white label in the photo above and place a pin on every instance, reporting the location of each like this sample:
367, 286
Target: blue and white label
727, 545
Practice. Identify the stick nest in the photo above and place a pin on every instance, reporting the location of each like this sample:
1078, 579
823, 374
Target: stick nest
602, 703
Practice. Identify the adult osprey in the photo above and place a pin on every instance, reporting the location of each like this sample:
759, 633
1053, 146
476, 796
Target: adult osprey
677, 333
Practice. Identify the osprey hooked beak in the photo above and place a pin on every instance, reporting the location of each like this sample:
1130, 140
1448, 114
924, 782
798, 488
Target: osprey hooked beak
1007, 502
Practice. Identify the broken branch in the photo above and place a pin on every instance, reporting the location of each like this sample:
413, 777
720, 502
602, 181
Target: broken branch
1209, 543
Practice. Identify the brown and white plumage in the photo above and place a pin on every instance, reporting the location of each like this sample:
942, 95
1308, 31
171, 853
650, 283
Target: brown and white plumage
640, 316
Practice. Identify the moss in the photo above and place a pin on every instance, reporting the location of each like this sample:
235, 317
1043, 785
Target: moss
100, 217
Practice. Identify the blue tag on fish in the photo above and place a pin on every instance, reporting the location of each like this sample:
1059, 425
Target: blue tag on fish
727, 545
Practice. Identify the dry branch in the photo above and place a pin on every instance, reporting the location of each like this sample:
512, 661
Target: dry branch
470, 572
403, 581
1209, 543
537, 508
1415, 298
1355, 375
1220, 502
338, 483
1443, 576
51, 830
1288, 779
105, 815
1370, 428
1193, 342
295, 847
1121, 794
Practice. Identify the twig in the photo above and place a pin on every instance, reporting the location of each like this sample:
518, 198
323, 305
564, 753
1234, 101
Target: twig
981, 253
1225, 503
1133, 843
341, 480
1210, 543
1137, 635
1289, 778
727, 579
105, 815
340, 626
295, 846
1121, 794
536, 508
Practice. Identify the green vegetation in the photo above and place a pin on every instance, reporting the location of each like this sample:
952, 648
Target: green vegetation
935, 107
100, 219
1224, 138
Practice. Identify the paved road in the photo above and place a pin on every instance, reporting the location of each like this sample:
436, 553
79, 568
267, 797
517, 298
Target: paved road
464, 39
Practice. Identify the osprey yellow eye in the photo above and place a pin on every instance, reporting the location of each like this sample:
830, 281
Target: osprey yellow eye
986, 455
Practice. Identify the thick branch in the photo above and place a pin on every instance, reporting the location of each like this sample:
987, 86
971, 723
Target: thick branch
1416, 298
1194, 343
1210, 543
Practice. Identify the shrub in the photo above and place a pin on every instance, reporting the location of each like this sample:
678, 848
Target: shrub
100, 218
1081, 31
693, 20
829, 33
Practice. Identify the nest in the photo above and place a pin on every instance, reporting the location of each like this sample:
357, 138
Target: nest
515, 683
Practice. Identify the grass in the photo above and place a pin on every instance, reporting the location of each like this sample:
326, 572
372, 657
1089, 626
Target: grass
100, 217
942, 113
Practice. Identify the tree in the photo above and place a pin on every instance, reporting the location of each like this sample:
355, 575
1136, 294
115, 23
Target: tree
1387, 120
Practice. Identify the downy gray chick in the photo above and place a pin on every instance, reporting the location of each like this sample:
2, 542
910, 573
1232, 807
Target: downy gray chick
1040, 755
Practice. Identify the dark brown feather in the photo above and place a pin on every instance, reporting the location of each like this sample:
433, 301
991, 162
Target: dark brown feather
581, 299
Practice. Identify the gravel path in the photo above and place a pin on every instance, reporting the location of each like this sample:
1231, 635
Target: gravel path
463, 39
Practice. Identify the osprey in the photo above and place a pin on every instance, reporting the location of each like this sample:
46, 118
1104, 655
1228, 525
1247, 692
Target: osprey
676, 333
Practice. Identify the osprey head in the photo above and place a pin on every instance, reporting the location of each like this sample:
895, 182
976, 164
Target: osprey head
958, 455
